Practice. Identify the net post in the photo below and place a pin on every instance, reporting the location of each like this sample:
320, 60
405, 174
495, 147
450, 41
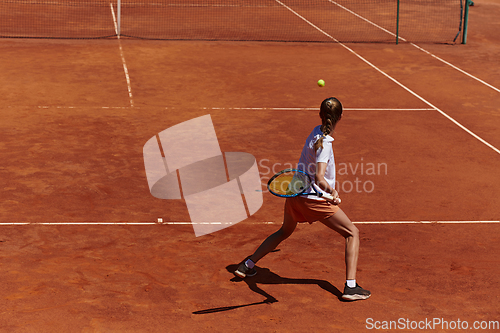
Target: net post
466, 21
119, 17
397, 25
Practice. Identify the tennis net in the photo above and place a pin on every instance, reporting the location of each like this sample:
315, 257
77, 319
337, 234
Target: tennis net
437, 21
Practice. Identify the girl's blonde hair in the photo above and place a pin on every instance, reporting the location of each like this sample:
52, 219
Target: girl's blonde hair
330, 112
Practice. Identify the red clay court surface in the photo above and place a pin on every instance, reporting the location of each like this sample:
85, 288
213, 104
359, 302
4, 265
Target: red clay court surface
71, 145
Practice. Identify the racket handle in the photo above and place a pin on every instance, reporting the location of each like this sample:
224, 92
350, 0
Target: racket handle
328, 196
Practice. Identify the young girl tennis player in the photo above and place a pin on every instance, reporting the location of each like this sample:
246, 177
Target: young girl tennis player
317, 160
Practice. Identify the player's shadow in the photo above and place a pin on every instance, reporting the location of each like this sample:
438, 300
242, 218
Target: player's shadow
265, 276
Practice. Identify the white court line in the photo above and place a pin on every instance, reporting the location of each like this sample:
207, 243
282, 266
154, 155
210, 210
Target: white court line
365, 19
78, 107
223, 223
418, 47
229, 108
314, 109
125, 223
425, 222
394, 80
458, 69
125, 69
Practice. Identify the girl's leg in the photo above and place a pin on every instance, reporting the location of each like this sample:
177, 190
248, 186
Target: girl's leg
343, 225
246, 269
275, 239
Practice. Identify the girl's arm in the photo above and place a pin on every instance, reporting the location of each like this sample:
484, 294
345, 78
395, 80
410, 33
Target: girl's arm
321, 181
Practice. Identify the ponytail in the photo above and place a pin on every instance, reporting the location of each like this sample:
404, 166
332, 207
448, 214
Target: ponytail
330, 113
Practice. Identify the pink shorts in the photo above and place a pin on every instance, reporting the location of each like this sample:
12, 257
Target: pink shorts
309, 210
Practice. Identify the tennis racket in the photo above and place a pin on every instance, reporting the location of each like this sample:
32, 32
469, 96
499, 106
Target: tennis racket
293, 182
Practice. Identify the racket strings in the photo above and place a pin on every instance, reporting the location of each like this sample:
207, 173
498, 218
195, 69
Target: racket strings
290, 184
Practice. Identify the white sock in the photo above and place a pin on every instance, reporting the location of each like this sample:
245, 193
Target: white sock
351, 283
249, 263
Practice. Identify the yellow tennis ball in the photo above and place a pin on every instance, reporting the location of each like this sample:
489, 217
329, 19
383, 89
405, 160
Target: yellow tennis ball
321, 83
